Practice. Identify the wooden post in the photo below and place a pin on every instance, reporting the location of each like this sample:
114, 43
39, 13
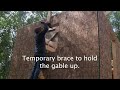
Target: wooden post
49, 16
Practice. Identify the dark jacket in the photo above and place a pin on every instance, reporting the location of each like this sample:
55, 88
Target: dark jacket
40, 40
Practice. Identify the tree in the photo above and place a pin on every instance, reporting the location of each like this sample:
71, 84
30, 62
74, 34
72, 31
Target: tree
114, 18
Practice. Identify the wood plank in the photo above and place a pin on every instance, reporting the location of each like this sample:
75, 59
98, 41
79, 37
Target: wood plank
51, 29
49, 16
41, 76
51, 43
48, 48
52, 37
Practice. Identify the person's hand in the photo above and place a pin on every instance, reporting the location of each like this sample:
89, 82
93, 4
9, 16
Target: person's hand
38, 30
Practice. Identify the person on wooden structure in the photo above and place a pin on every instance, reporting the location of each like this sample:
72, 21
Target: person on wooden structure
40, 49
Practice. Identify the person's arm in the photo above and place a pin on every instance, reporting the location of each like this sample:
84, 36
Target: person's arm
46, 27
43, 28
37, 30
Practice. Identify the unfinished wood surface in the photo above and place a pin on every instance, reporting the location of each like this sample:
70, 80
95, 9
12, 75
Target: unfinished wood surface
78, 36
51, 43
50, 49
53, 36
49, 16
117, 61
105, 47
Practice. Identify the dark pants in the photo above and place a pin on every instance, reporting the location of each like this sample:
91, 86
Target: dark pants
36, 70
39, 49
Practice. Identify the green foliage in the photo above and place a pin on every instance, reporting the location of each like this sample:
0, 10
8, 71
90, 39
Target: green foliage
114, 18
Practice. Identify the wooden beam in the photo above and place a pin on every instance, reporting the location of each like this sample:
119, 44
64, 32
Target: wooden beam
51, 29
52, 37
106, 12
48, 48
51, 43
49, 16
